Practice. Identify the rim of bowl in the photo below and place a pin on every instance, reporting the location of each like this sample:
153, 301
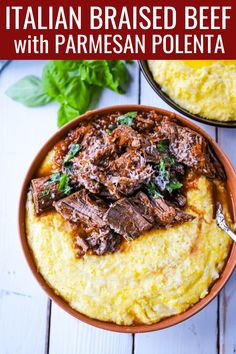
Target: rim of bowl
167, 322
157, 88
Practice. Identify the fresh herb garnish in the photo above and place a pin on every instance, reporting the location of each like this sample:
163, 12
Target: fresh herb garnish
68, 167
74, 149
162, 169
162, 146
152, 189
64, 185
45, 193
74, 84
171, 160
112, 127
174, 185
55, 177
127, 118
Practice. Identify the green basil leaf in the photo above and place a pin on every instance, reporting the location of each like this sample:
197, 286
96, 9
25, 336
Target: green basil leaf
64, 185
74, 149
96, 72
112, 74
174, 185
162, 146
153, 191
55, 177
45, 193
54, 81
77, 94
29, 91
162, 170
171, 160
65, 114
120, 76
127, 118
67, 65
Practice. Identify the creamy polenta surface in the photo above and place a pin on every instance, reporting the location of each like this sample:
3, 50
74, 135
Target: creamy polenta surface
159, 274
204, 87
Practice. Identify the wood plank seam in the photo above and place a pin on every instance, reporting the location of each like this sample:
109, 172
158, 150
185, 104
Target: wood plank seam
48, 326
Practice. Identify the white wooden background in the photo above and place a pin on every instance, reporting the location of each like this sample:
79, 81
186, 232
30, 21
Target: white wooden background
29, 322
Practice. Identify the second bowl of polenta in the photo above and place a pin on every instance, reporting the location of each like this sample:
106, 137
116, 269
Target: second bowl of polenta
205, 88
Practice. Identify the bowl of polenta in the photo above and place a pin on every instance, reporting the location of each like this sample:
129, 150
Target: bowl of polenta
117, 218
203, 90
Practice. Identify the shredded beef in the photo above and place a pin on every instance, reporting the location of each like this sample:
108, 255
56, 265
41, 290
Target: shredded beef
116, 165
125, 136
190, 148
44, 193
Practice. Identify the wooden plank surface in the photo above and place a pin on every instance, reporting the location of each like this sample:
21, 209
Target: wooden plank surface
23, 305
27, 323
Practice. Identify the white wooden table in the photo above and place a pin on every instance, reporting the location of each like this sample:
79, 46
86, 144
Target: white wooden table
29, 322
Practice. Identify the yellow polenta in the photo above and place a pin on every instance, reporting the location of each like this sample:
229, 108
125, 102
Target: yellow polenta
160, 274
204, 87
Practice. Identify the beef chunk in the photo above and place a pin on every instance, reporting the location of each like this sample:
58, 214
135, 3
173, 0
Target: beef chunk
150, 151
167, 215
190, 148
90, 167
125, 220
100, 242
74, 137
131, 216
142, 205
104, 241
145, 121
220, 173
158, 211
44, 193
180, 200
82, 207
128, 173
82, 245
125, 136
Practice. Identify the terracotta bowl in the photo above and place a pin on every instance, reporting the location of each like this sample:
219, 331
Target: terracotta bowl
218, 285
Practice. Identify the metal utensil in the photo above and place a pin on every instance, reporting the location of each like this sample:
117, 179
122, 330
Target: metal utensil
221, 223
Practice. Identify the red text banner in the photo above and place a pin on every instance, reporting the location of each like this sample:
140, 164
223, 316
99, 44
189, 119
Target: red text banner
117, 29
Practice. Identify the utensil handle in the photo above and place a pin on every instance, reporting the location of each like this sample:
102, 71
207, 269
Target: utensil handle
231, 234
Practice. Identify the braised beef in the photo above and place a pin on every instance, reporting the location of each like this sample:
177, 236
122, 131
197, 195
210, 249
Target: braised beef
82, 207
128, 173
125, 136
82, 246
167, 215
157, 211
190, 148
150, 151
143, 205
104, 241
180, 200
74, 137
44, 193
118, 160
125, 220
